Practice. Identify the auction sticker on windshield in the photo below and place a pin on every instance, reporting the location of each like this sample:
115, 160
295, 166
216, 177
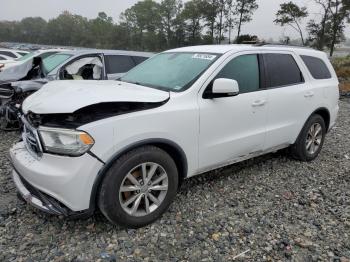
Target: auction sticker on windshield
204, 56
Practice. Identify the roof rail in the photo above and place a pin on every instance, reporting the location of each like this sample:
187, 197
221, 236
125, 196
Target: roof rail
279, 44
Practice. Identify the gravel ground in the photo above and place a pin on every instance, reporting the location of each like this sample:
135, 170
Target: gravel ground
272, 207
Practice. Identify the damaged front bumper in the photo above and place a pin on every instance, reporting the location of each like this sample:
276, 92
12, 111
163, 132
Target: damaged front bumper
37, 199
55, 184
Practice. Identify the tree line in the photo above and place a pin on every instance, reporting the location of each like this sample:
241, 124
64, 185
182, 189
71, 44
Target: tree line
153, 26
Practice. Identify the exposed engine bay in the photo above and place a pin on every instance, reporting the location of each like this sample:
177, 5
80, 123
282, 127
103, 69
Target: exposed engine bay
89, 114
11, 99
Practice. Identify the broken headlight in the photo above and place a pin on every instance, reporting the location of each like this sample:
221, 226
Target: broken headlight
65, 141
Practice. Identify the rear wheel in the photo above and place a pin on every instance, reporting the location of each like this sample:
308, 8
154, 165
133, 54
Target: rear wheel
311, 139
139, 187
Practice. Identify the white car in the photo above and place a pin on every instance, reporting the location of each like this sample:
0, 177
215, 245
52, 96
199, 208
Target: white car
5, 58
125, 146
12, 53
23, 59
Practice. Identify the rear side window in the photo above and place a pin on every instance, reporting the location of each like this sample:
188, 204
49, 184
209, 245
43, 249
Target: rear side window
245, 70
139, 59
10, 54
118, 64
282, 70
317, 67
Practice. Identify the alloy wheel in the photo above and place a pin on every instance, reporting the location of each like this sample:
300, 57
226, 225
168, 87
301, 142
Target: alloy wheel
314, 138
143, 189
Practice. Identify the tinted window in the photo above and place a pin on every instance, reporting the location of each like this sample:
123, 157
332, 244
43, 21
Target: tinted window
22, 54
139, 59
10, 54
282, 70
245, 70
317, 67
51, 62
44, 55
2, 58
118, 64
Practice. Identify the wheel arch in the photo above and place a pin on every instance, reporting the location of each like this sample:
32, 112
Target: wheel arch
325, 114
172, 148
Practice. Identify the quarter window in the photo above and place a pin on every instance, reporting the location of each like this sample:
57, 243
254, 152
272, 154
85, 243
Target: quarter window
282, 70
245, 70
317, 67
118, 64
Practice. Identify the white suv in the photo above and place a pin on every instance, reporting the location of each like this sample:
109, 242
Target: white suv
125, 146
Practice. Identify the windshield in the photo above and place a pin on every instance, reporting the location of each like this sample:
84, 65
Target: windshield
51, 62
27, 56
170, 71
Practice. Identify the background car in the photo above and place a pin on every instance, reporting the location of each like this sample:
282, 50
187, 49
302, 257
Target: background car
67, 65
13, 53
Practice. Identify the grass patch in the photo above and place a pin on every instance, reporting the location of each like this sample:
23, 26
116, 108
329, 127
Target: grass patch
342, 67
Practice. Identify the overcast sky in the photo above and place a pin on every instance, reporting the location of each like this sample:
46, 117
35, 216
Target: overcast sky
262, 24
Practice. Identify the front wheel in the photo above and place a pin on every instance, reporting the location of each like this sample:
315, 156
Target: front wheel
139, 187
311, 139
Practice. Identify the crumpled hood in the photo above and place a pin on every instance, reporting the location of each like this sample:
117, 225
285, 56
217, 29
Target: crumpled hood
61, 97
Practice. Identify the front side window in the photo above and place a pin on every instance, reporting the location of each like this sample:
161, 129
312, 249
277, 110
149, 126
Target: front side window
245, 70
317, 67
51, 62
118, 64
46, 54
282, 70
170, 71
85, 68
27, 56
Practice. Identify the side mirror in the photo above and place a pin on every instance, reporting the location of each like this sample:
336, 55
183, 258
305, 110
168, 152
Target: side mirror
225, 87
222, 87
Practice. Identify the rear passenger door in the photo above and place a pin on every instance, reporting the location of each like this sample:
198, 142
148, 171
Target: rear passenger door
117, 65
288, 98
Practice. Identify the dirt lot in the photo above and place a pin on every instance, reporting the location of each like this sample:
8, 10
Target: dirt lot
272, 207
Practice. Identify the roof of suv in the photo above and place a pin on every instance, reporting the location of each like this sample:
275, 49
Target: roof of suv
106, 52
221, 49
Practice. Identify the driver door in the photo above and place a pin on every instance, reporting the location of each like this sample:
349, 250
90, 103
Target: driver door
235, 126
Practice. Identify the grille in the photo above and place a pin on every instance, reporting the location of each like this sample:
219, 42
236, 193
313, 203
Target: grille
31, 138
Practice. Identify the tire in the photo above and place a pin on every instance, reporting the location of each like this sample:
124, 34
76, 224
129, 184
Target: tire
301, 149
121, 176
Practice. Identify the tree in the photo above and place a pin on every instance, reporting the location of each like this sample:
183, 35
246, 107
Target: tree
210, 10
242, 39
192, 15
318, 31
170, 9
145, 19
340, 12
244, 10
292, 15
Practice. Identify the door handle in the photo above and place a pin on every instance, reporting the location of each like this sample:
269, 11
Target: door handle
259, 103
309, 94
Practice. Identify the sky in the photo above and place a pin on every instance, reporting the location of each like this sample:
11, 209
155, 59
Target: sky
262, 24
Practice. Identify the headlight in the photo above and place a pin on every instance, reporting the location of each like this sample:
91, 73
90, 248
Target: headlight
65, 141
